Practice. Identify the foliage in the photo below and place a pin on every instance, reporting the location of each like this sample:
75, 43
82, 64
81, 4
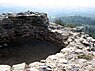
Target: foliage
90, 30
85, 56
79, 20
60, 22
71, 25
73, 21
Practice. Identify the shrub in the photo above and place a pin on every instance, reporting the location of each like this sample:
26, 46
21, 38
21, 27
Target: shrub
84, 56
70, 25
59, 22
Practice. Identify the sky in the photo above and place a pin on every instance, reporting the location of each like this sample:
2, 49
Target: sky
49, 3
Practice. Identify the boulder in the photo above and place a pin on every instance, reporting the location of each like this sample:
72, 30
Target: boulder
19, 67
5, 68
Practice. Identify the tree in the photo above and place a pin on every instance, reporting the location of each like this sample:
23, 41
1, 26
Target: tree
59, 22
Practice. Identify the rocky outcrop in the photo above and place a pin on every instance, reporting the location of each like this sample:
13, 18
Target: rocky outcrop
78, 54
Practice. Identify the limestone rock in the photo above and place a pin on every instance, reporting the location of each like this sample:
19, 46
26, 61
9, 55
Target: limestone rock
19, 67
85, 42
32, 69
5, 68
66, 50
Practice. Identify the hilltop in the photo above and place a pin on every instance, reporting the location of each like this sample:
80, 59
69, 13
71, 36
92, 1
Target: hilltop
78, 48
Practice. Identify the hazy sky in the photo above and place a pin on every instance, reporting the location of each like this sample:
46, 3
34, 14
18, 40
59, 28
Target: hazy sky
48, 3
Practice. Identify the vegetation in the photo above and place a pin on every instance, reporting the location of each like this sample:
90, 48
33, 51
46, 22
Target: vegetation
73, 21
71, 25
60, 22
79, 20
84, 56
90, 30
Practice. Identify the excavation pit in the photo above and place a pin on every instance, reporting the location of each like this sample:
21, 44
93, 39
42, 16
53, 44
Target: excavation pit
27, 50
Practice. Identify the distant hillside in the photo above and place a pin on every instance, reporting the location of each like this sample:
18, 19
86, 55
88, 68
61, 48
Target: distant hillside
73, 21
79, 20
52, 12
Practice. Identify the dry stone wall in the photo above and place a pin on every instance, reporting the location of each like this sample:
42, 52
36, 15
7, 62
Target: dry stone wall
28, 24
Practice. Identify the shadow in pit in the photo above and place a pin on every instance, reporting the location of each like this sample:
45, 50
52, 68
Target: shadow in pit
27, 50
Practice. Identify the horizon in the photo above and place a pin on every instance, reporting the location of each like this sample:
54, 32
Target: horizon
58, 12
49, 3
51, 7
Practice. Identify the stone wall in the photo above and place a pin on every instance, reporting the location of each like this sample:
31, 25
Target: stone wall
28, 24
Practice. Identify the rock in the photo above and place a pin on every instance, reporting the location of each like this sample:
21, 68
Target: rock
32, 69
93, 69
85, 42
60, 55
63, 61
69, 40
45, 68
66, 50
51, 61
93, 63
82, 61
73, 67
5, 68
51, 58
90, 39
79, 51
42, 61
78, 29
19, 67
86, 70
59, 69
36, 64
40, 66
